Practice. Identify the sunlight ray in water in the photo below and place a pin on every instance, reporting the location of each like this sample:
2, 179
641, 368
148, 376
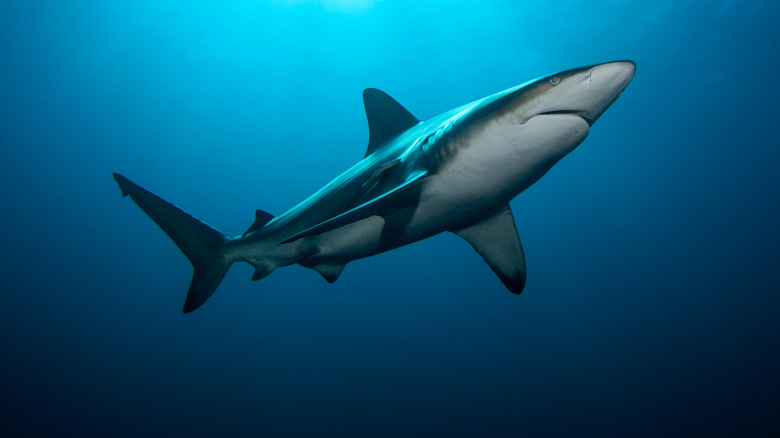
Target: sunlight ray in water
349, 6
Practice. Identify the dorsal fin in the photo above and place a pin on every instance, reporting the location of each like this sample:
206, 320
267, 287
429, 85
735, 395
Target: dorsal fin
261, 218
386, 118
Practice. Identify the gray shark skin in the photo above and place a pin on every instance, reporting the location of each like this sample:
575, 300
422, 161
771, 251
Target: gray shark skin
456, 172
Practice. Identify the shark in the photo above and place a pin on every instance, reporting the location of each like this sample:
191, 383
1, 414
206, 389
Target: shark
456, 172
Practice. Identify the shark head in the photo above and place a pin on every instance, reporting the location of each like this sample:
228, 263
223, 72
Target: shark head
586, 92
520, 133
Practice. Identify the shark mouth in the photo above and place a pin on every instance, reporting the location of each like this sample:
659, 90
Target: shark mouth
581, 114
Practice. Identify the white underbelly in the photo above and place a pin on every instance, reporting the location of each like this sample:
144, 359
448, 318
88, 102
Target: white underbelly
488, 169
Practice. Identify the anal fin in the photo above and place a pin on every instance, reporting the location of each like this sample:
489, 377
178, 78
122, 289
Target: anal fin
496, 240
330, 273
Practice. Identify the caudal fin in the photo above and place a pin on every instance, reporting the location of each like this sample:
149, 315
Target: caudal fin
202, 244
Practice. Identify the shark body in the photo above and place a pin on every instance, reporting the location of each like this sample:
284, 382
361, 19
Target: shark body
456, 172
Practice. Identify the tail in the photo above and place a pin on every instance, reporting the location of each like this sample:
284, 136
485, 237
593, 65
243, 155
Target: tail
203, 245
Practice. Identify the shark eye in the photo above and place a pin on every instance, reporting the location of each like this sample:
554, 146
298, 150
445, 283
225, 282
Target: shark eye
555, 80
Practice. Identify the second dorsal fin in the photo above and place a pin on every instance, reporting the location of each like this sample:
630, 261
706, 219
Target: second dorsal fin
386, 118
261, 219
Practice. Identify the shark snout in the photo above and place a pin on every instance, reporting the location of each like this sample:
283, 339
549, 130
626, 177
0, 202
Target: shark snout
615, 75
605, 83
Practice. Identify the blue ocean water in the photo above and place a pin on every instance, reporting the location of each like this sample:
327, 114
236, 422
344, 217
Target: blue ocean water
651, 307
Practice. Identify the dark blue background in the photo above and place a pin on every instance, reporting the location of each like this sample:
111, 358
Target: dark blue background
652, 300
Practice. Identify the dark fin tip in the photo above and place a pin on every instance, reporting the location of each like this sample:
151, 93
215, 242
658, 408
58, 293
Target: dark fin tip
188, 309
515, 283
123, 182
190, 305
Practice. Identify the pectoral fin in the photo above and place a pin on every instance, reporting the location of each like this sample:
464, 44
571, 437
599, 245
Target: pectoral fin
497, 241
